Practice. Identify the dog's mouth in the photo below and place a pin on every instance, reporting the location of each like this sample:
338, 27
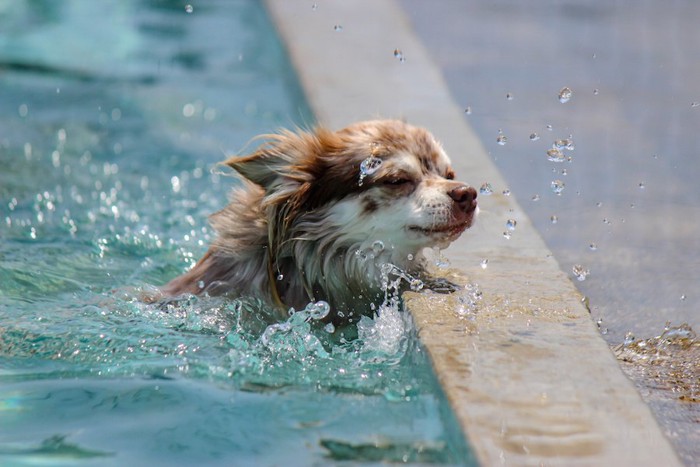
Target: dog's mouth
449, 230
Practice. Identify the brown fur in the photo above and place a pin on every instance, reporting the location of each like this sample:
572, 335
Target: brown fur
303, 215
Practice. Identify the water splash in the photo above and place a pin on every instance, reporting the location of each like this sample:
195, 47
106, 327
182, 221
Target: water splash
399, 55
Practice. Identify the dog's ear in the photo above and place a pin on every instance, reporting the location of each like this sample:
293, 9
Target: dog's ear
280, 160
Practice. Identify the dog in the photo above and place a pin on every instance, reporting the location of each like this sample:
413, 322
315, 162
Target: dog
318, 213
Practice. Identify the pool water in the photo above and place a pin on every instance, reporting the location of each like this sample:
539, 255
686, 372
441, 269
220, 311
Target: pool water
114, 115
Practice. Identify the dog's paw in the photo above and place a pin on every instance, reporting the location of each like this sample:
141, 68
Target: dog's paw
441, 285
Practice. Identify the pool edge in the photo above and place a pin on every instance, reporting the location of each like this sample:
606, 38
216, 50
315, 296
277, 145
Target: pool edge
528, 376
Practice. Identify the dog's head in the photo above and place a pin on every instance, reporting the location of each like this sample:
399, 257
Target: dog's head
373, 181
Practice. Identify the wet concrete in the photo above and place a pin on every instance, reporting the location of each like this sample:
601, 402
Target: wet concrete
526, 371
631, 187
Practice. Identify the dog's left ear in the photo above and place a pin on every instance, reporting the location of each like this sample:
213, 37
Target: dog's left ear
277, 162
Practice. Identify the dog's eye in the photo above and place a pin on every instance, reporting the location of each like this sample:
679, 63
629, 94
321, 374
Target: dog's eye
397, 181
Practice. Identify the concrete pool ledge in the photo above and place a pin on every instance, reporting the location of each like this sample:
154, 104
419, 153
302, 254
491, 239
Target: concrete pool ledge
527, 375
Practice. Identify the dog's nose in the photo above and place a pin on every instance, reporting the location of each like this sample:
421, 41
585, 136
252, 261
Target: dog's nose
465, 197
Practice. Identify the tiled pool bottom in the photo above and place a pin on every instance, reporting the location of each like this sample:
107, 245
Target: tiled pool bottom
107, 147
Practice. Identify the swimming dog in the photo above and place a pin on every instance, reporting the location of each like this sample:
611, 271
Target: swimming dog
318, 213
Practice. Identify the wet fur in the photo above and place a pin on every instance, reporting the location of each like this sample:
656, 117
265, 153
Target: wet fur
303, 224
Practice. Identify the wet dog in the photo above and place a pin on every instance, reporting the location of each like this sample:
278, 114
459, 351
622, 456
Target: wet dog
318, 214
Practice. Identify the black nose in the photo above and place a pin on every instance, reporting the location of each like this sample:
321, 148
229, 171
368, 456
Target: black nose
464, 196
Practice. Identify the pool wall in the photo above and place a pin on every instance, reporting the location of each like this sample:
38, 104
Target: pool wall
528, 376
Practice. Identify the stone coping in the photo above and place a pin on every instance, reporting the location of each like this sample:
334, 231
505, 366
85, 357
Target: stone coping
528, 376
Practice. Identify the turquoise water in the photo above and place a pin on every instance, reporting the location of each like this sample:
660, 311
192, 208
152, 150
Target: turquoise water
113, 117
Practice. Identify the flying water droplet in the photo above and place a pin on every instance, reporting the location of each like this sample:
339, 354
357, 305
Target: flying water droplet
409, 257
641, 185
695, 104
506, 235
486, 189
564, 95
189, 8
596, 92
580, 272
506, 192
511, 223
329, 328
554, 219
378, 246
399, 55
555, 155
484, 263
534, 137
557, 187
368, 167
501, 139
337, 28
280, 277
509, 96
416, 285
318, 310
565, 143
535, 198
468, 110
593, 247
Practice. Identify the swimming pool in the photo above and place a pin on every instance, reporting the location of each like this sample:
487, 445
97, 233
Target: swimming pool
114, 115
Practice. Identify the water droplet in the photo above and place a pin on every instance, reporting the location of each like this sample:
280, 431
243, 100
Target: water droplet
554, 219
550, 127
555, 155
511, 223
200, 284
337, 28
557, 187
501, 139
409, 257
535, 198
641, 185
484, 263
695, 104
416, 285
683, 297
378, 246
329, 328
189, 8
506, 235
468, 110
318, 310
629, 338
399, 55
314, 7
599, 204
486, 189
23, 110
564, 95
580, 272
280, 277
368, 167
534, 136
506, 192
593, 247
596, 92
509, 96
565, 143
